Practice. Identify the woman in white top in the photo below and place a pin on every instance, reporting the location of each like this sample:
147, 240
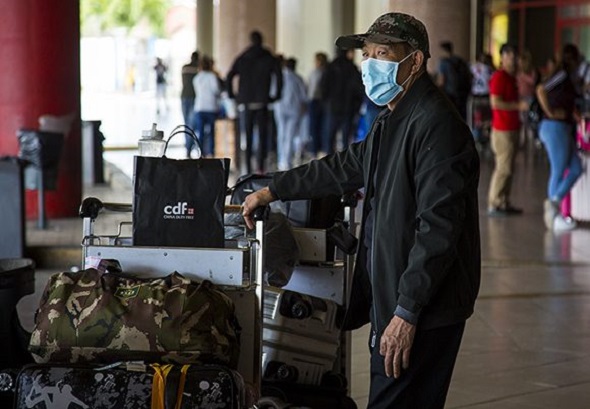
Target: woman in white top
207, 90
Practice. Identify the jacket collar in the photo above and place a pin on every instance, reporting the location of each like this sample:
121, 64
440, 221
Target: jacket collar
422, 84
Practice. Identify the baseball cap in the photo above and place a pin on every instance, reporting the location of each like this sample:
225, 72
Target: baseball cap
390, 28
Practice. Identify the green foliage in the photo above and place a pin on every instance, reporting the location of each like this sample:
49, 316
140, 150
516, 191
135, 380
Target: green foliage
124, 13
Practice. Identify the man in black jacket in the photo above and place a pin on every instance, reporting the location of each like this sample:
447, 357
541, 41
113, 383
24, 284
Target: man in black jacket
342, 92
417, 271
260, 83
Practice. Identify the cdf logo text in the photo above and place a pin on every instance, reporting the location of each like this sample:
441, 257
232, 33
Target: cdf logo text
179, 211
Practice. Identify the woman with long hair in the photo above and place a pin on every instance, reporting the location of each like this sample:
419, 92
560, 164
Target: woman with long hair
557, 96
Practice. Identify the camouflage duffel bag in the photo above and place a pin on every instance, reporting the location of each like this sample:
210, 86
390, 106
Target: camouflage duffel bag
89, 316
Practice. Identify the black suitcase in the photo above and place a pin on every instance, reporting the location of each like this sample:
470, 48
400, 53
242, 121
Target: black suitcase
128, 386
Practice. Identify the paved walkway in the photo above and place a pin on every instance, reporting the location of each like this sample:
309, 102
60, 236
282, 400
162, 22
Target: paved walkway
528, 344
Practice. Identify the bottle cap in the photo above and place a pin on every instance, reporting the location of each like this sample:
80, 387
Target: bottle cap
153, 133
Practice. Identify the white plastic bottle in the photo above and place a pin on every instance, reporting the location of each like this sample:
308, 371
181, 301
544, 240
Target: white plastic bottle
152, 143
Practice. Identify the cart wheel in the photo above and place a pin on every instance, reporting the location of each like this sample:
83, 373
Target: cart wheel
281, 371
272, 402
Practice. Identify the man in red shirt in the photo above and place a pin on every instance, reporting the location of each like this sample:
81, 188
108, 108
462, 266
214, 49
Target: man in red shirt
505, 128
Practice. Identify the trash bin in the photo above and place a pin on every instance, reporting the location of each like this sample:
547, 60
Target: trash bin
17, 279
41, 150
92, 152
12, 203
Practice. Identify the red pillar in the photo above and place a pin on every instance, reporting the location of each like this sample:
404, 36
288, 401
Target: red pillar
40, 74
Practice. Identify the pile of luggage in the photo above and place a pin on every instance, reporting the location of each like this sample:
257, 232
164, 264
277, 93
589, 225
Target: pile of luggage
106, 340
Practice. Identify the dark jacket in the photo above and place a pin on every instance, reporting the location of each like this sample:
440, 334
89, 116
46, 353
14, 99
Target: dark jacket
426, 251
188, 73
256, 68
342, 87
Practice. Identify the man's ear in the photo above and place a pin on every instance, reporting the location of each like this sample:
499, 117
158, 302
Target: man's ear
418, 61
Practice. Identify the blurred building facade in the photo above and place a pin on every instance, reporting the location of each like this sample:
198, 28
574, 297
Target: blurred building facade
540, 26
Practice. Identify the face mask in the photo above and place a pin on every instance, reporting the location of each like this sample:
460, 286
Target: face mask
380, 79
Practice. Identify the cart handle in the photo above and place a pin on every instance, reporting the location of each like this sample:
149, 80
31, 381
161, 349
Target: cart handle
261, 213
91, 207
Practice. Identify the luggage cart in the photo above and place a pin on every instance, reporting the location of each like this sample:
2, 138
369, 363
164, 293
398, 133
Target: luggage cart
237, 268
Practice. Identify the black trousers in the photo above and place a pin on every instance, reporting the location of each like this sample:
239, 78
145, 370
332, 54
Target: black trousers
260, 118
424, 385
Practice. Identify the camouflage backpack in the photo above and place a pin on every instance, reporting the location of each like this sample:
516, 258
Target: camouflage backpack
94, 317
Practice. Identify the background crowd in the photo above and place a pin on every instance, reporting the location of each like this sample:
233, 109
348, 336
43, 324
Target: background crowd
283, 119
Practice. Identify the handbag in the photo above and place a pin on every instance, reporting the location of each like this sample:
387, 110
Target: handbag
97, 317
535, 115
179, 203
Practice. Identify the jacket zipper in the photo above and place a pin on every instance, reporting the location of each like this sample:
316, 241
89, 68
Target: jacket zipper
375, 322
373, 228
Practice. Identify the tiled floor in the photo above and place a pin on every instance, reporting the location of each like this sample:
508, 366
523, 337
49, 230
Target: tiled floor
527, 345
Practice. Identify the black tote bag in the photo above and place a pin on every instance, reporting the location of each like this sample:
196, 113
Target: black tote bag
179, 203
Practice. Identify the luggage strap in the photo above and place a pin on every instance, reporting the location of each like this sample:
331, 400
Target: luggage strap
168, 386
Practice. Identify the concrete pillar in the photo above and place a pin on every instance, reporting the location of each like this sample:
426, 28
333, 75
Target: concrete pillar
343, 12
445, 20
205, 27
305, 27
367, 11
234, 20
40, 66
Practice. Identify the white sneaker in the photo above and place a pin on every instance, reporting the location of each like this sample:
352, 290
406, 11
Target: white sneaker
551, 211
561, 223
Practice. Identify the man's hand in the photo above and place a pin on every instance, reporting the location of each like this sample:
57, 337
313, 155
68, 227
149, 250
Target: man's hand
396, 344
254, 200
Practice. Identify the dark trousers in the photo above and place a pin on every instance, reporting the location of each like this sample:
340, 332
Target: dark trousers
316, 124
205, 127
259, 117
187, 105
426, 382
338, 121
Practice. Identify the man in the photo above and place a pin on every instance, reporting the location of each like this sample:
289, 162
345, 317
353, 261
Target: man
161, 69
187, 96
288, 113
480, 114
505, 132
454, 78
317, 109
342, 92
417, 271
257, 69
